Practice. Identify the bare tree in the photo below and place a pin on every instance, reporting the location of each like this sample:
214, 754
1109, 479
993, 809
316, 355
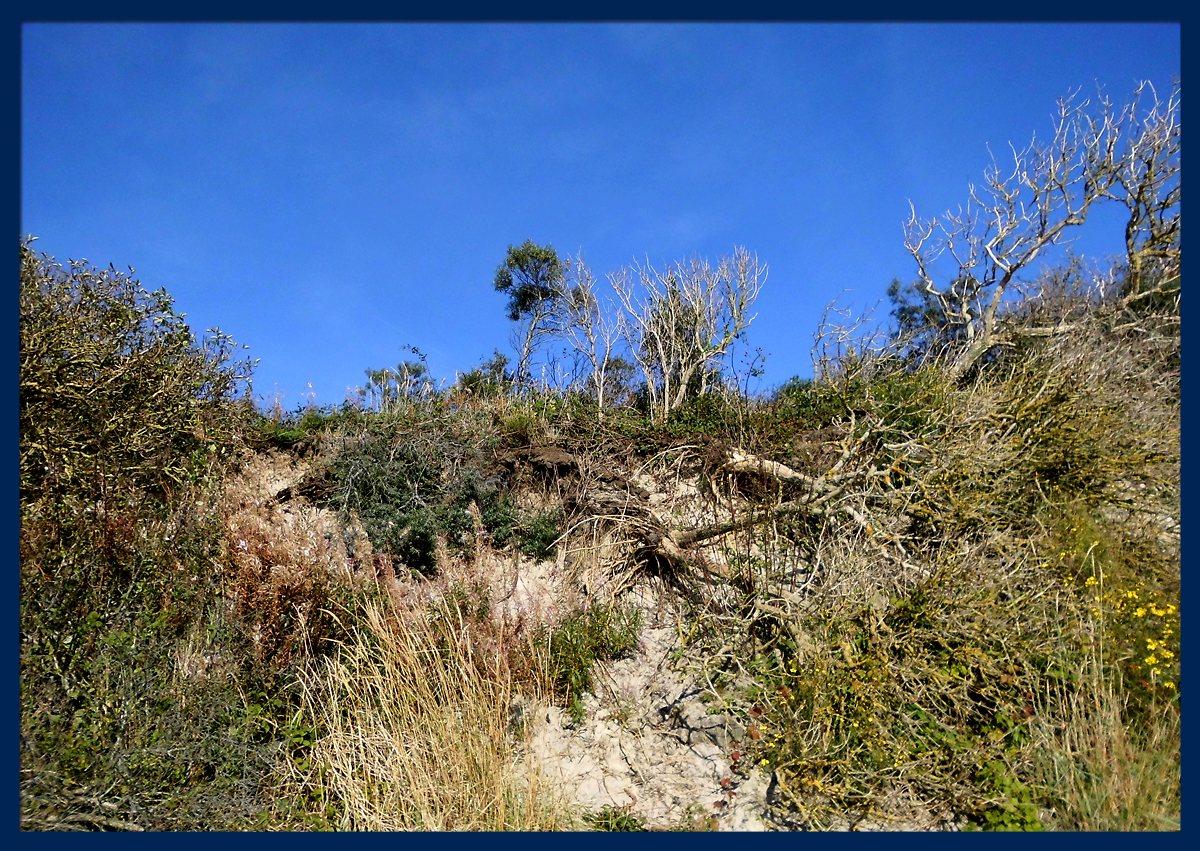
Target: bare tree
680, 322
593, 328
1148, 184
1011, 220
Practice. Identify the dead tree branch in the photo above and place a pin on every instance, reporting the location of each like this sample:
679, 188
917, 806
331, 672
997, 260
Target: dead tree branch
1016, 216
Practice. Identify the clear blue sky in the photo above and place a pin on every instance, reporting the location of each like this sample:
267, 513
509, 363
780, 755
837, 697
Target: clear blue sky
327, 193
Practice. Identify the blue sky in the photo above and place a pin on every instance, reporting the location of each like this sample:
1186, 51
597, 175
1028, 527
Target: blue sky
327, 193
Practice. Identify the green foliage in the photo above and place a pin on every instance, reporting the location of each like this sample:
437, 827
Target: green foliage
913, 405
807, 404
711, 414
530, 276
1133, 591
519, 428
127, 425
582, 638
922, 323
417, 478
935, 690
302, 429
390, 477
115, 392
488, 380
614, 819
539, 534
1016, 809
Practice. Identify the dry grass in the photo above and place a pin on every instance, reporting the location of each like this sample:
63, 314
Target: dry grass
1101, 770
416, 732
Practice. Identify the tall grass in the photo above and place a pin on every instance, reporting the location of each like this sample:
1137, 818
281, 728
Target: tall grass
416, 730
1101, 769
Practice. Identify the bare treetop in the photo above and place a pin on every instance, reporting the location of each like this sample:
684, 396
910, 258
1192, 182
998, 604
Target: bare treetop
1098, 152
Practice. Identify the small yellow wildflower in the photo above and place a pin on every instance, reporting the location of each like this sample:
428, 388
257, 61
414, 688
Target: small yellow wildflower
1091, 580
1168, 685
1151, 643
1151, 659
1140, 612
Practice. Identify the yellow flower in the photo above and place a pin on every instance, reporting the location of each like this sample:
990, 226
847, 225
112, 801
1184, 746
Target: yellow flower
1168, 685
1091, 580
1151, 659
1151, 643
1140, 612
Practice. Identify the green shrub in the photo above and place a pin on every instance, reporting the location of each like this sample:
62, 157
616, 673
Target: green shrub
116, 395
127, 424
539, 534
410, 480
710, 414
809, 404
579, 640
303, 424
934, 697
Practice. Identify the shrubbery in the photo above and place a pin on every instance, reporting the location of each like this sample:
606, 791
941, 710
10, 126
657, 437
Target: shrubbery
949, 576
127, 426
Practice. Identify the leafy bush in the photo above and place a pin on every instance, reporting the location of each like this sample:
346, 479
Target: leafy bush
928, 692
127, 425
707, 413
539, 534
116, 395
301, 429
410, 480
809, 404
126, 422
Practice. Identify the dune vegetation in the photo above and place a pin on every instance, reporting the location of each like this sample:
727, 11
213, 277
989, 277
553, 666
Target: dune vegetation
944, 570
